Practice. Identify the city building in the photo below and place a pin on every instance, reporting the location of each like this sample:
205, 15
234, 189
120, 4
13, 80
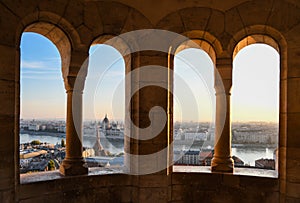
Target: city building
265, 163
237, 161
205, 157
190, 157
105, 123
253, 137
98, 149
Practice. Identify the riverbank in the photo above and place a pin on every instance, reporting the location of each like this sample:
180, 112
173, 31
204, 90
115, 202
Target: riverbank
262, 145
45, 133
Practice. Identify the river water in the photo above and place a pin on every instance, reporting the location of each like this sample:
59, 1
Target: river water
88, 141
246, 154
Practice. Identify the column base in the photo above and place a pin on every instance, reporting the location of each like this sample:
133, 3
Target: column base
222, 165
70, 167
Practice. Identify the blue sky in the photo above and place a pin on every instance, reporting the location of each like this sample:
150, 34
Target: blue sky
42, 90
254, 93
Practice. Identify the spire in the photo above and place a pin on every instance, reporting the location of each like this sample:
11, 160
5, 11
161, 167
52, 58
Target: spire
98, 148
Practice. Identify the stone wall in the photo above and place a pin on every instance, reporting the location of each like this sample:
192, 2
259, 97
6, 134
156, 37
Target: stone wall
74, 25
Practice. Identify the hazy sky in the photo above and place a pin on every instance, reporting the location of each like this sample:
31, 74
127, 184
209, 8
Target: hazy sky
193, 86
254, 93
255, 90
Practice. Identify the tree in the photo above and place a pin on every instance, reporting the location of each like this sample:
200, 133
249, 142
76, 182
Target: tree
51, 165
62, 143
35, 142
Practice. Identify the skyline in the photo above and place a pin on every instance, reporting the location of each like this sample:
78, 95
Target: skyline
43, 94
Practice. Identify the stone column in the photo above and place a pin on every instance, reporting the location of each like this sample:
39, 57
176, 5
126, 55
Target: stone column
222, 160
9, 122
150, 154
152, 112
74, 164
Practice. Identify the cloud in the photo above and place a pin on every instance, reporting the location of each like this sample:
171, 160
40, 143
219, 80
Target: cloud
40, 70
50, 65
44, 77
32, 64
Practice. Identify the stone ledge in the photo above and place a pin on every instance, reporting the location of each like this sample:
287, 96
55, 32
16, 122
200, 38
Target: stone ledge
54, 175
237, 171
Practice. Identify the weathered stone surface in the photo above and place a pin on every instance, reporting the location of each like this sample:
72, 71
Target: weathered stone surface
292, 189
216, 25
293, 97
171, 22
57, 6
233, 22
294, 65
293, 122
74, 13
250, 11
73, 25
8, 63
113, 16
8, 25
284, 16
195, 18
159, 194
7, 196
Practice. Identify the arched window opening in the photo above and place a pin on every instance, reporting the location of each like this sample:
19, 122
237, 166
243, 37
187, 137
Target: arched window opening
104, 101
255, 107
42, 106
194, 108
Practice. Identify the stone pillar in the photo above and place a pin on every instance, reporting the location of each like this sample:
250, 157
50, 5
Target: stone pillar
9, 122
151, 154
152, 93
74, 164
222, 160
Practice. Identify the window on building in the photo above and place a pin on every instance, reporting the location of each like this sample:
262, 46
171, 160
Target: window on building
42, 107
255, 107
194, 108
104, 98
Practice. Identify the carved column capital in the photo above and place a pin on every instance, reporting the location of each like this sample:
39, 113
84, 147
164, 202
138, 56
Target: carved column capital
74, 83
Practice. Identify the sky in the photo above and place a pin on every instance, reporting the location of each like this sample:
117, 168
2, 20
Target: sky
42, 89
193, 86
255, 90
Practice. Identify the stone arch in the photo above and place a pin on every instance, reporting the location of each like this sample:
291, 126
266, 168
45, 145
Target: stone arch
258, 34
57, 30
269, 36
192, 18
124, 49
171, 22
253, 39
198, 43
209, 43
57, 37
207, 22
54, 19
111, 18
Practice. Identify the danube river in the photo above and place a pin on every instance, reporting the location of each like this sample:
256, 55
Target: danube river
246, 154
88, 141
